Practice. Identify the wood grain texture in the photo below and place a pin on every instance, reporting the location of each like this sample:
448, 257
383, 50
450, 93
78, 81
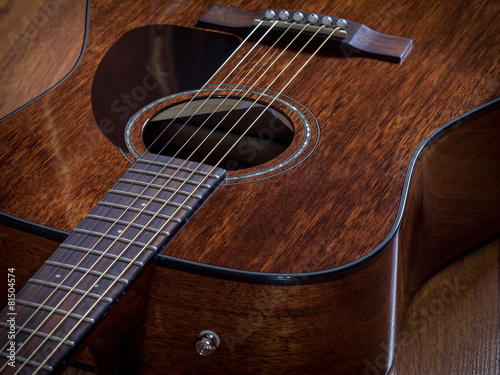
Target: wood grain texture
34, 36
452, 324
487, 88
270, 325
387, 145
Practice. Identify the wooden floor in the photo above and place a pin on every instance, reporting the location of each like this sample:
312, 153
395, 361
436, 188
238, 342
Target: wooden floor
453, 324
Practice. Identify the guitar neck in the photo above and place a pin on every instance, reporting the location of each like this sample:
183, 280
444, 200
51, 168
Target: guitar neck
83, 279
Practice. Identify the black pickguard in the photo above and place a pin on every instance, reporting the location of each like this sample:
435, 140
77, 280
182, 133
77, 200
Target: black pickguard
149, 63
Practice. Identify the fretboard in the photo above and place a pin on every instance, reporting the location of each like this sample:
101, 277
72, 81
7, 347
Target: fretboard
81, 281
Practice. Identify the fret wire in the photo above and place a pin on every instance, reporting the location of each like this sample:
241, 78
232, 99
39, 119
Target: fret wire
86, 270
212, 168
29, 362
168, 177
79, 279
78, 252
68, 288
184, 169
156, 186
138, 210
114, 238
37, 333
179, 167
57, 310
54, 271
138, 204
126, 223
104, 254
146, 197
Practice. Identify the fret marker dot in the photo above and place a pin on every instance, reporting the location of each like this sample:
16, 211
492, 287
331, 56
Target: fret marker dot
96, 285
19, 344
119, 231
143, 204
58, 276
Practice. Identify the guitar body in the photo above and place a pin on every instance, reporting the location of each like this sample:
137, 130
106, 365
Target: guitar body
302, 262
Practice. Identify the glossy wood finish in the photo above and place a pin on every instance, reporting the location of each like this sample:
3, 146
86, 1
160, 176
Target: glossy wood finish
86, 151
164, 59
194, 283
35, 34
270, 329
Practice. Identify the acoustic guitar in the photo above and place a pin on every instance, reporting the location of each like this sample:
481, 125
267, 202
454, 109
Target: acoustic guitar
327, 167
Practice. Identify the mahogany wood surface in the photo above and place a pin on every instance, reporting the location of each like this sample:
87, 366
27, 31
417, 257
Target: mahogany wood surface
386, 144
34, 36
457, 323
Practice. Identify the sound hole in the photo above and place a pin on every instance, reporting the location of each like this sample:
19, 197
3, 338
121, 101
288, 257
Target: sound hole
230, 133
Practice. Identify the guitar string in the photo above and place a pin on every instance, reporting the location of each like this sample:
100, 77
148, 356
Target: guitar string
96, 302
209, 97
281, 91
205, 178
132, 202
235, 143
207, 84
139, 213
226, 97
129, 206
295, 75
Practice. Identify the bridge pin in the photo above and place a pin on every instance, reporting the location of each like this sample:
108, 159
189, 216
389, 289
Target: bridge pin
313, 19
284, 15
342, 24
270, 14
327, 21
298, 17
